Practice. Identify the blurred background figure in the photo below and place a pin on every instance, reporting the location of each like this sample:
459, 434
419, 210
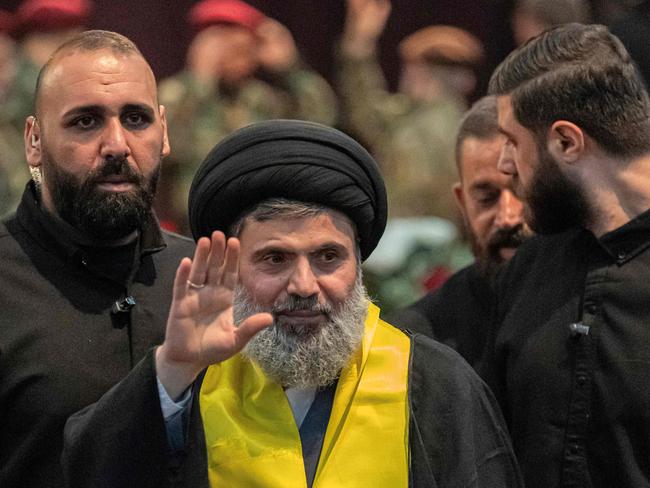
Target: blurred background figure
13, 169
241, 67
39, 26
411, 133
532, 17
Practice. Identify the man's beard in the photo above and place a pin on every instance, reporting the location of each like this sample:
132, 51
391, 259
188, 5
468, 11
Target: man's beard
311, 356
488, 256
99, 214
554, 203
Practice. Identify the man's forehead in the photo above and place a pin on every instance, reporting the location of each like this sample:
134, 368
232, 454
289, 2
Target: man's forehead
80, 69
329, 225
478, 155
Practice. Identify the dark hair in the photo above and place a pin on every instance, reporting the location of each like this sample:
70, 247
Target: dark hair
480, 121
582, 74
275, 208
91, 40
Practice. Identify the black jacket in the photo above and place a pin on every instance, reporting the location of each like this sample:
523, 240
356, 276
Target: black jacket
61, 346
458, 314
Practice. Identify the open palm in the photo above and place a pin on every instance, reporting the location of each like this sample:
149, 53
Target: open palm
200, 327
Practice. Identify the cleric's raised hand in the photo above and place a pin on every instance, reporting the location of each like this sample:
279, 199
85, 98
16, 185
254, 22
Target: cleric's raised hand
200, 328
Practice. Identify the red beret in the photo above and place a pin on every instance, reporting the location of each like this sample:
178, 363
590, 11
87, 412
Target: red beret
210, 12
51, 14
6, 22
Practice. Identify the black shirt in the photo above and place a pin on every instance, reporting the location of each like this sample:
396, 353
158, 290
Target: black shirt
457, 314
61, 345
571, 361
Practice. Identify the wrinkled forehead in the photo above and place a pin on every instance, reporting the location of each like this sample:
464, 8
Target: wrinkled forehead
84, 73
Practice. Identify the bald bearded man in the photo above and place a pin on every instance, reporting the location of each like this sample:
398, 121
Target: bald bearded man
84, 288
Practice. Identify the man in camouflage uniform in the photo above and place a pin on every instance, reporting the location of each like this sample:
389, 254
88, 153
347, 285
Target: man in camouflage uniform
218, 93
411, 133
10, 139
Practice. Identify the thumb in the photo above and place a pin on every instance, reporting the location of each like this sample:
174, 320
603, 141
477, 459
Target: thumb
251, 326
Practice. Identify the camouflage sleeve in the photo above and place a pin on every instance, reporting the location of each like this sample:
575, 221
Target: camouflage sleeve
367, 107
190, 106
194, 125
14, 172
311, 97
418, 161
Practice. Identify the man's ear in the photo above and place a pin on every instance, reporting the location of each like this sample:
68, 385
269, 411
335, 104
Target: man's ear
163, 120
32, 139
566, 141
459, 196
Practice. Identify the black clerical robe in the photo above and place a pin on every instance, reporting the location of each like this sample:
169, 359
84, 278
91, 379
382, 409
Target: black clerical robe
457, 437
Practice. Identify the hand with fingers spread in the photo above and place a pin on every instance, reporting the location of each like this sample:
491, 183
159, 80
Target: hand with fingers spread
200, 328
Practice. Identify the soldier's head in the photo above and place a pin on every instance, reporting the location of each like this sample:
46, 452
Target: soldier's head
7, 53
308, 205
438, 60
43, 25
532, 17
569, 97
225, 43
98, 135
492, 213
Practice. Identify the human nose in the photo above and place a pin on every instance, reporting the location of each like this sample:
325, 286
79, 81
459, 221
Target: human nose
506, 163
303, 281
510, 211
114, 143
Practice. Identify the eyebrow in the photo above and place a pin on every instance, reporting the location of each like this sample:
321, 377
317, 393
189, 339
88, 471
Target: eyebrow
273, 248
138, 107
99, 109
84, 109
483, 185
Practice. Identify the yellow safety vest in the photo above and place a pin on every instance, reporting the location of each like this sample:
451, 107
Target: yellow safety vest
252, 438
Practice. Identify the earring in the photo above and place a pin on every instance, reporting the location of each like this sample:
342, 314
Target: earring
37, 177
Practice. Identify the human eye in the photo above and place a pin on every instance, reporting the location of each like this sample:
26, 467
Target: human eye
274, 258
486, 198
136, 120
328, 256
85, 122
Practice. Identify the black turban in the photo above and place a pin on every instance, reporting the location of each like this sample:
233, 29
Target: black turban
289, 159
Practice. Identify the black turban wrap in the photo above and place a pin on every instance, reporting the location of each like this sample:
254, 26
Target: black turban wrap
289, 159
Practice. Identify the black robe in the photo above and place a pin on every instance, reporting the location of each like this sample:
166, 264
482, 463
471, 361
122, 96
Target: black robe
457, 436
458, 314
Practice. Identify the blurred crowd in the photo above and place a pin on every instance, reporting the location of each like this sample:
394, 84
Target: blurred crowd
243, 66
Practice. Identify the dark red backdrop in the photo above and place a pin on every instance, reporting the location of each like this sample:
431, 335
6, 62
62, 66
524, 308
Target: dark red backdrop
158, 26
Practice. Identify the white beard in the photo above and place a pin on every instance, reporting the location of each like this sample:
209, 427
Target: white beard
306, 358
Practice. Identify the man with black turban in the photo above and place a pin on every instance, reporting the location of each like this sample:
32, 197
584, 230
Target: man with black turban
276, 369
